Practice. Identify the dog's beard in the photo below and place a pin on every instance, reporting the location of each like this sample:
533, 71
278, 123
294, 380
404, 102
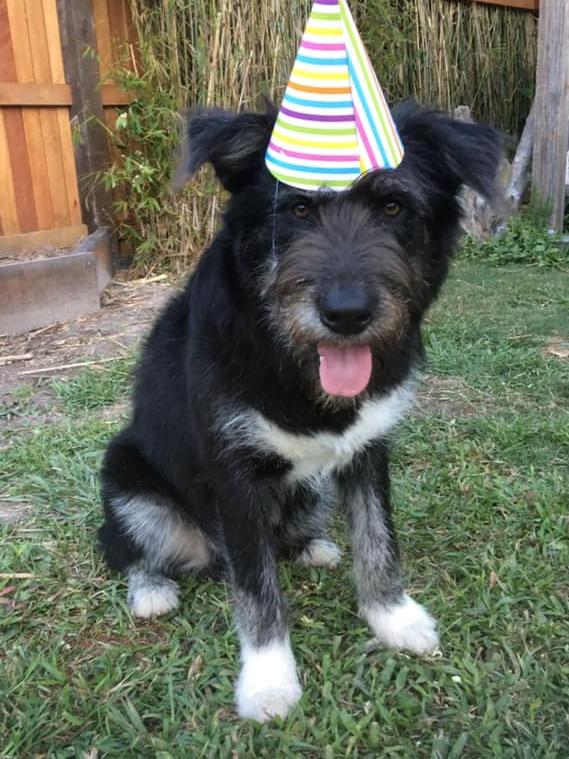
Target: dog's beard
338, 370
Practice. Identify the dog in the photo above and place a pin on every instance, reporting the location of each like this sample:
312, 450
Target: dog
267, 389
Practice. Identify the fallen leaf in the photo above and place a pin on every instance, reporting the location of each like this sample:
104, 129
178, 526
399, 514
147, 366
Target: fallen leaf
195, 667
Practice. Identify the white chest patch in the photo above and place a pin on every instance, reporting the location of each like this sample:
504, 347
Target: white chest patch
316, 455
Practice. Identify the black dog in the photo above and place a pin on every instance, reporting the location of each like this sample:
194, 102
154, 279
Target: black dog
267, 389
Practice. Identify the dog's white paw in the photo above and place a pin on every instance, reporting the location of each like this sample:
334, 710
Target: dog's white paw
320, 552
151, 595
268, 684
406, 625
264, 705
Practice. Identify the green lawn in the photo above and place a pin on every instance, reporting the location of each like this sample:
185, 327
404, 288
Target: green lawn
481, 487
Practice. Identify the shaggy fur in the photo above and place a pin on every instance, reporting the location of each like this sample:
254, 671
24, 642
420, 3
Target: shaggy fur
236, 454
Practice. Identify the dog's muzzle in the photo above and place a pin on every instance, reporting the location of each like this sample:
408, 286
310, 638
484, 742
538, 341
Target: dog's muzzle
346, 310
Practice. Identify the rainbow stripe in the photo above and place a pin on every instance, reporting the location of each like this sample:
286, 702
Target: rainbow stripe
334, 123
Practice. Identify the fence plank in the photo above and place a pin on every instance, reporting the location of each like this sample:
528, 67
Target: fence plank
11, 93
39, 52
38, 165
69, 170
58, 75
53, 39
31, 94
21, 173
112, 95
103, 36
32, 118
8, 208
126, 22
53, 147
7, 71
115, 11
18, 29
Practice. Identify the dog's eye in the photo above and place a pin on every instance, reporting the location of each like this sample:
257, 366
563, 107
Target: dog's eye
392, 209
300, 209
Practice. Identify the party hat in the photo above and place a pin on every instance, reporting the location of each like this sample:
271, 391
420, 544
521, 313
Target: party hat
334, 123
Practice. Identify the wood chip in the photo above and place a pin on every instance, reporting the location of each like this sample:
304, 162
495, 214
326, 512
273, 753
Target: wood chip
557, 347
559, 352
195, 667
62, 367
16, 575
17, 357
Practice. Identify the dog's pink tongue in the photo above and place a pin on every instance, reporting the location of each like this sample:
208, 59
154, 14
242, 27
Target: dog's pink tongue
344, 370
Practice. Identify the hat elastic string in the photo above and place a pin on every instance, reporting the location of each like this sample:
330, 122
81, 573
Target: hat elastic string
274, 229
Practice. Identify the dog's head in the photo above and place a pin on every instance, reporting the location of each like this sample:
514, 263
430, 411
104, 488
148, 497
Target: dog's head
343, 278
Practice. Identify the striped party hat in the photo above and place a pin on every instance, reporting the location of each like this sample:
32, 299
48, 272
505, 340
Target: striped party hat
334, 123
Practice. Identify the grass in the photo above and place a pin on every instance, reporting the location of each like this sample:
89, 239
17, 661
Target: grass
481, 490
95, 387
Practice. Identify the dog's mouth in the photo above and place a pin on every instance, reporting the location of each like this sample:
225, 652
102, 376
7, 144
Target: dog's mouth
345, 370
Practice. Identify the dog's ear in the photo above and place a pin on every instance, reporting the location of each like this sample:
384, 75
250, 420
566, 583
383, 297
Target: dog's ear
449, 153
234, 143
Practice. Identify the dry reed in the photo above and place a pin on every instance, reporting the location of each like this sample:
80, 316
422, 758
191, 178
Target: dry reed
223, 53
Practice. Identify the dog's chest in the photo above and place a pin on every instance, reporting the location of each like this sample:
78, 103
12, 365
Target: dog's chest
317, 454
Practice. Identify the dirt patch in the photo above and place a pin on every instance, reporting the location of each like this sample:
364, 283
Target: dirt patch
557, 347
29, 361
12, 512
450, 396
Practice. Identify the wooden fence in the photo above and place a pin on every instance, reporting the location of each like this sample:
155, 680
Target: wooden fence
48, 85
113, 28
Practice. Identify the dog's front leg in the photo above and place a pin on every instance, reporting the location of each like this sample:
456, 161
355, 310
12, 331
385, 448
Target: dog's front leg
268, 683
394, 617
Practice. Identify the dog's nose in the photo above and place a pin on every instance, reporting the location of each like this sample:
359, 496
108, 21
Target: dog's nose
346, 309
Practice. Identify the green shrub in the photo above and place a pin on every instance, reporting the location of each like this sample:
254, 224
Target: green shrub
143, 144
525, 240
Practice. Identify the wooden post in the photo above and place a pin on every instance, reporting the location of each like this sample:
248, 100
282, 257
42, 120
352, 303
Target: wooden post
521, 164
79, 48
552, 108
